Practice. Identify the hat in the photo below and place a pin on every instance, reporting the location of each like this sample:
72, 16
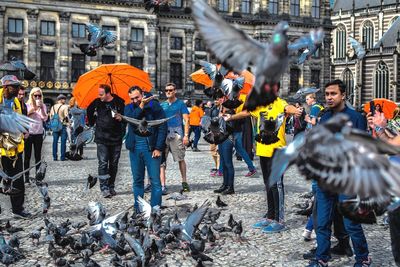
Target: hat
61, 96
10, 80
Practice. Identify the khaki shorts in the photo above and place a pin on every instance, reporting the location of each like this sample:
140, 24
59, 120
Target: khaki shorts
176, 147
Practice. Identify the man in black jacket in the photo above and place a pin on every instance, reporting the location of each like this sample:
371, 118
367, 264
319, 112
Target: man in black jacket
108, 136
145, 151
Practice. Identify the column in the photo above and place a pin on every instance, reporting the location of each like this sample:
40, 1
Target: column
30, 48
62, 61
123, 40
188, 69
164, 57
152, 51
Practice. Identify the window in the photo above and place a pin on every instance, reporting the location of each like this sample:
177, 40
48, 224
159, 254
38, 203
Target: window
246, 6
199, 45
47, 28
109, 28
341, 42
15, 54
108, 59
176, 4
47, 72
315, 78
137, 62
294, 80
175, 74
176, 43
348, 80
273, 6
137, 35
78, 30
78, 66
295, 7
15, 26
368, 35
381, 80
223, 5
315, 11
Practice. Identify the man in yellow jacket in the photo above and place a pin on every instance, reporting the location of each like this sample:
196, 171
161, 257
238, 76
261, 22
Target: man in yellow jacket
11, 159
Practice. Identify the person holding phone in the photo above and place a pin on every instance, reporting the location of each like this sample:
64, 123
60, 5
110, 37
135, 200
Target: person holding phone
37, 111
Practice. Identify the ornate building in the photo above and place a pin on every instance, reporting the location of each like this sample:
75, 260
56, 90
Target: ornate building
46, 34
374, 24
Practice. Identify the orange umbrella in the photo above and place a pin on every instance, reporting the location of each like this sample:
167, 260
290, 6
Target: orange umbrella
249, 81
201, 77
387, 106
119, 76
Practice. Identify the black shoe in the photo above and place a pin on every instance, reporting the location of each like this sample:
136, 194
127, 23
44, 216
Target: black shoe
221, 189
306, 212
112, 192
195, 149
228, 191
106, 194
341, 249
22, 214
309, 256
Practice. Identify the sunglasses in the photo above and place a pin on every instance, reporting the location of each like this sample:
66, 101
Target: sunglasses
169, 90
37, 96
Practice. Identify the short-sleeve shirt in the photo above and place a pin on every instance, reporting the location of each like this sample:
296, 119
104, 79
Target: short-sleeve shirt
177, 109
314, 112
271, 111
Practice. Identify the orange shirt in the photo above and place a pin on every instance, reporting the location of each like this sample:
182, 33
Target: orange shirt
195, 116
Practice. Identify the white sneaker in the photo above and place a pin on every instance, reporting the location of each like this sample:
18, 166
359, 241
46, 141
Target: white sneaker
307, 235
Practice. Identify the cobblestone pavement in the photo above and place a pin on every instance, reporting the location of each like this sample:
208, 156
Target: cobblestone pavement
67, 179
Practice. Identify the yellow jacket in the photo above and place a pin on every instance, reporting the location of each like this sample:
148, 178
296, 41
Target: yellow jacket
20, 147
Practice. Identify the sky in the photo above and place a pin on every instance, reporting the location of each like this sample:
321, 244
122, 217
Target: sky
332, 2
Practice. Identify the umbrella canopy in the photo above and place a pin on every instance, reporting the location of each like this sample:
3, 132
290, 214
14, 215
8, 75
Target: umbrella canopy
201, 77
120, 77
387, 106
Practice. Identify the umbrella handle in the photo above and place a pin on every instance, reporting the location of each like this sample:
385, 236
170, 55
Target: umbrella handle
111, 83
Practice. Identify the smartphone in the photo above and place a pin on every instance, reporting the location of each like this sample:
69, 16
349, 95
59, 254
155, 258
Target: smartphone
372, 107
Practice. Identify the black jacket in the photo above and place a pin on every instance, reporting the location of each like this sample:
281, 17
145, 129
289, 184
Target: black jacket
108, 130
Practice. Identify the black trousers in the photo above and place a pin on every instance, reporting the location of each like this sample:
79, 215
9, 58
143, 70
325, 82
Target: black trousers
35, 141
108, 156
394, 224
275, 193
17, 201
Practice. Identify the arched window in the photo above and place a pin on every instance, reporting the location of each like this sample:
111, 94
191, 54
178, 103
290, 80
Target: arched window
381, 80
340, 41
348, 79
392, 21
368, 34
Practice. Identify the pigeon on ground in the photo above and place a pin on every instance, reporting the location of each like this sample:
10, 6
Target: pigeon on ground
95, 213
231, 222
91, 181
97, 38
238, 230
341, 159
359, 51
44, 191
216, 131
269, 129
14, 123
18, 66
35, 235
220, 203
142, 126
83, 138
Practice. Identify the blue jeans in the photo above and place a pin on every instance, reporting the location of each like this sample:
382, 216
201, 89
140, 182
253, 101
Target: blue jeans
225, 152
242, 152
325, 212
56, 136
197, 133
141, 158
310, 222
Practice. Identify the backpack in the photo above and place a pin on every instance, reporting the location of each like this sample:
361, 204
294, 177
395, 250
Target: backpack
55, 122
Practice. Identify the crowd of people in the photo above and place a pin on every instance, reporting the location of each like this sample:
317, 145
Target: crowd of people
173, 137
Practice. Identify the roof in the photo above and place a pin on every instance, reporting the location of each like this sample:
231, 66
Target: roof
390, 36
359, 4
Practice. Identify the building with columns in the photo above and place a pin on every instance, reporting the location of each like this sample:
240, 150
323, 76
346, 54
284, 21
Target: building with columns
46, 35
374, 24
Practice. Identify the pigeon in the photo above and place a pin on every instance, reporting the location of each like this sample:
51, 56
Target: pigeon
35, 235
177, 196
5, 249
231, 222
269, 129
14, 242
238, 229
220, 203
44, 191
341, 159
17, 65
142, 126
302, 92
14, 123
136, 247
97, 38
12, 229
235, 49
311, 42
215, 129
95, 213
91, 181
359, 51
88, 262
41, 172
83, 138
210, 235
233, 102
216, 75
155, 5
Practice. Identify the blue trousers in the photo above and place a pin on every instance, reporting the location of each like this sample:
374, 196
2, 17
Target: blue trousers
325, 212
225, 151
141, 159
56, 136
197, 133
241, 151
310, 222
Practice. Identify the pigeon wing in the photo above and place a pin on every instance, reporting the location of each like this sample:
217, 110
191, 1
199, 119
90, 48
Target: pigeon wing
94, 32
231, 45
194, 219
144, 207
279, 120
84, 137
358, 48
12, 122
158, 122
209, 68
111, 37
8, 66
131, 120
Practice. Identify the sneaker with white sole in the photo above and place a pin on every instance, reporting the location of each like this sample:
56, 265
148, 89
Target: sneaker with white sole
307, 235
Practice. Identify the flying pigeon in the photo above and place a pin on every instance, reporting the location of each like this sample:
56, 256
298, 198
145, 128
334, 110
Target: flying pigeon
234, 48
233, 102
269, 129
302, 92
359, 51
342, 160
95, 213
312, 42
14, 123
17, 65
97, 38
91, 181
216, 74
215, 129
142, 126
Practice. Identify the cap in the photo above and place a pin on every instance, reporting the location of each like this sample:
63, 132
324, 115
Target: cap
61, 96
10, 80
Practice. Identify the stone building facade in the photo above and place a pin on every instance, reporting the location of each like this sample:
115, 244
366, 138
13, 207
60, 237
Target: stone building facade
374, 24
46, 34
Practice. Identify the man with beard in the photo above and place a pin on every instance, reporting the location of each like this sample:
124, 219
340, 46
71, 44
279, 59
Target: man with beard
11, 158
273, 221
145, 151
